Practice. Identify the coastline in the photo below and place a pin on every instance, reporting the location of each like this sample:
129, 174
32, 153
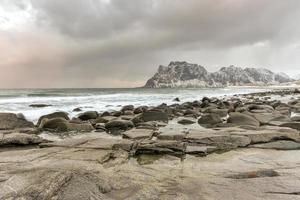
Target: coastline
202, 149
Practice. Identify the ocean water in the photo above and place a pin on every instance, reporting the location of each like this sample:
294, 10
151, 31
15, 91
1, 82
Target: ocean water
19, 100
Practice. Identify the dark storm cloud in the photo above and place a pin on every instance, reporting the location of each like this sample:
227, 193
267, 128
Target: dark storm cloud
113, 43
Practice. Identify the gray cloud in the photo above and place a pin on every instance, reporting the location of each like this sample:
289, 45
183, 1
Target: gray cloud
117, 43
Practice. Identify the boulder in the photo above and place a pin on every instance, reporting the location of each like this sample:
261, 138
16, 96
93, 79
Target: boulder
88, 115
127, 107
13, 121
242, 119
14, 139
209, 120
39, 105
295, 118
117, 126
62, 125
77, 110
220, 112
154, 116
54, 115
176, 99
138, 134
185, 121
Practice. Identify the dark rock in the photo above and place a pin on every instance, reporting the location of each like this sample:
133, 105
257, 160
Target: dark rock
242, 119
62, 125
128, 107
295, 118
220, 112
77, 110
88, 115
117, 126
209, 120
140, 109
160, 147
13, 121
63, 115
176, 99
116, 113
39, 105
185, 121
154, 116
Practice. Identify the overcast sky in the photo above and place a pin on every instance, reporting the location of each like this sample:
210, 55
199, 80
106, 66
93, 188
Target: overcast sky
120, 43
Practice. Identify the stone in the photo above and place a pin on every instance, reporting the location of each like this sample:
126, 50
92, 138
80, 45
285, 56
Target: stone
176, 99
242, 119
88, 115
137, 134
13, 121
209, 120
54, 115
77, 110
171, 133
140, 109
117, 126
160, 147
293, 125
62, 125
295, 118
186, 121
15, 139
254, 174
39, 105
126, 108
154, 116
279, 145
200, 150
220, 112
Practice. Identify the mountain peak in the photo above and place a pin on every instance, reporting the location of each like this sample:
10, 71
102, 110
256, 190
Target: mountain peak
184, 74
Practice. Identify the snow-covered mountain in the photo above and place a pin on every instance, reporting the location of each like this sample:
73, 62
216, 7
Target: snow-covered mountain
184, 75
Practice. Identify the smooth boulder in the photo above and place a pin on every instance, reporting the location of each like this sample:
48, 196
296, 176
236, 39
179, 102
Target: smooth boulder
154, 116
242, 119
88, 115
118, 126
62, 125
209, 120
54, 115
13, 121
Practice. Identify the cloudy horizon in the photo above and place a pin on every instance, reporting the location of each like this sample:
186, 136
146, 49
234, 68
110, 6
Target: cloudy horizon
117, 43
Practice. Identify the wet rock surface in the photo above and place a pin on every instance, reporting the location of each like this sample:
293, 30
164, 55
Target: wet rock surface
251, 153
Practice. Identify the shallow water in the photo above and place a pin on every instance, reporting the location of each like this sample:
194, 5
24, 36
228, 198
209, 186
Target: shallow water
19, 100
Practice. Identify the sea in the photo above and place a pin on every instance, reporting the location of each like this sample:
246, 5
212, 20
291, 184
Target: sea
96, 99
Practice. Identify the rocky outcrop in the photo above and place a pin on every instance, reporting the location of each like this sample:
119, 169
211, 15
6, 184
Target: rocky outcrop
13, 121
183, 74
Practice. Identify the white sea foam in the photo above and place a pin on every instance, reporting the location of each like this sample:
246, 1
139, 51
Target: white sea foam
19, 101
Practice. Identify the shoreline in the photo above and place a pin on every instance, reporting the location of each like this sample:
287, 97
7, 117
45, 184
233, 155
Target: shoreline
202, 149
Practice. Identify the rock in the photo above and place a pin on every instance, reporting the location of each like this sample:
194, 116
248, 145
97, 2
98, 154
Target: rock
13, 139
116, 113
154, 116
54, 115
242, 119
13, 121
88, 115
62, 125
254, 174
77, 110
293, 125
185, 121
128, 112
209, 120
39, 105
176, 99
100, 127
295, 118
128, 107
200, 150
279, 145
171, 133
160, 147
117, 126
140, 109
220, 112
137, 134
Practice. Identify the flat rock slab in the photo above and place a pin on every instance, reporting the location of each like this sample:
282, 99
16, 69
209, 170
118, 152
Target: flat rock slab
137, 134
279, 145
200, 150
161, 147
171, 133
14, 139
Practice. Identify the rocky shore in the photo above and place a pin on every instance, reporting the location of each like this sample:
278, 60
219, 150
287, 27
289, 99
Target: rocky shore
235, 147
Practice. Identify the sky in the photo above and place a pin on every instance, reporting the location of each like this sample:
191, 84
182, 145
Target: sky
118, 43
